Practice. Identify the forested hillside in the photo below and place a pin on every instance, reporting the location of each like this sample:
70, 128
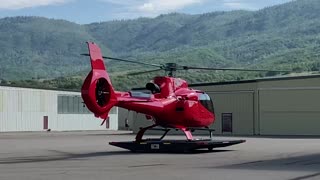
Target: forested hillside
280, 37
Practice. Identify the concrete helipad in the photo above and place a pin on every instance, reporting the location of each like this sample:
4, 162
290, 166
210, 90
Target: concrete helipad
87, 156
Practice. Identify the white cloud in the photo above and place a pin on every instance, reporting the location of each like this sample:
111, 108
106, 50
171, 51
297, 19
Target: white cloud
153, 6
147, 7
129, 9
20, 4
233, 4
121, 2
239, 5
163, 6
250, 4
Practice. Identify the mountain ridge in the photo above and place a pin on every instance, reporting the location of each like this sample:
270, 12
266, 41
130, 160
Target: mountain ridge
285, 36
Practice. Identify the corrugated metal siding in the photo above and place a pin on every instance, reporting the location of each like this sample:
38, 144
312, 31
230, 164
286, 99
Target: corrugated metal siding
289, 111
23, 109
140, 120
240, 104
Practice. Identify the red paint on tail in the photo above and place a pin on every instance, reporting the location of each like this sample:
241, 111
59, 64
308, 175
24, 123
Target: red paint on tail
97, 91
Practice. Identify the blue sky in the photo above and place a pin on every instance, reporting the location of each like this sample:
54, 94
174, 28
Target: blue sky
88, 11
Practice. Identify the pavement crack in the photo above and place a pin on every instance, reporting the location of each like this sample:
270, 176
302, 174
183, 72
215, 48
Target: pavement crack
146, 165
294, 162
251, 162
306, 177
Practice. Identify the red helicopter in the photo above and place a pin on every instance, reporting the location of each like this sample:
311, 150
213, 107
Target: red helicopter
171, 103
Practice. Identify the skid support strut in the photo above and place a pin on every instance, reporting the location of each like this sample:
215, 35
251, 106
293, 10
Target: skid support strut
188, 134
140, 134
142, 131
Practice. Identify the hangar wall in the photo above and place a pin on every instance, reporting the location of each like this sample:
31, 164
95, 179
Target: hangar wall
235, 100
25, 109
290, 107
239, 105
281, 106
125, 119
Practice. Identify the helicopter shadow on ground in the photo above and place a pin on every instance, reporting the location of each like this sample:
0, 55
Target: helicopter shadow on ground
198, 151
106, 134
309, 162
65, 156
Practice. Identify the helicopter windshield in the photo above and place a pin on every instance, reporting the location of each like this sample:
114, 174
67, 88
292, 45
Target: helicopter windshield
206, 101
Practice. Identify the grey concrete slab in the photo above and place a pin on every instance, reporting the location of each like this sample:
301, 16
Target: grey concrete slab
87, 155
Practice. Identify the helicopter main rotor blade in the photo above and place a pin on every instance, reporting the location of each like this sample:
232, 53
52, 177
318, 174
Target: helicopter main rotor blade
232, 69
142, 72
130, 61
171, 67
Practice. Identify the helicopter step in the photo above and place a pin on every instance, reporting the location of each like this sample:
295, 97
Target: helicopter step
174, 146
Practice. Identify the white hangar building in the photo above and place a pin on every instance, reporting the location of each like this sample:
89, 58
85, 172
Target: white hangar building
27, 109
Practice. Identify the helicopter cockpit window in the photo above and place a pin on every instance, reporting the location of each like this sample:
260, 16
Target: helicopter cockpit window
206, 101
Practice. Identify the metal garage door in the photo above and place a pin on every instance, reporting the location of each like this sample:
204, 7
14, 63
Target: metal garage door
239, 105
289, 112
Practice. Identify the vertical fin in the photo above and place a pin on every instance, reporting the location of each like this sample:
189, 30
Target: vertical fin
97, 91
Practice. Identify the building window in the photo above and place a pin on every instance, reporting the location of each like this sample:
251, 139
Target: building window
73, 104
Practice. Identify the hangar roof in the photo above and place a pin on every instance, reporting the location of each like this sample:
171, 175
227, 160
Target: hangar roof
275, 78
28, 87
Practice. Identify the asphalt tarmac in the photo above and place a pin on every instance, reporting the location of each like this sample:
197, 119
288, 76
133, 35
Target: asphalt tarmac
88, 156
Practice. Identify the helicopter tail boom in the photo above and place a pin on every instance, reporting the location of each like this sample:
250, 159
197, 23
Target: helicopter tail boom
97, 90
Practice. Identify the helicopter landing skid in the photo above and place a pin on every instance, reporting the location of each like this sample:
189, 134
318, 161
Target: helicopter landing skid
174, 146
